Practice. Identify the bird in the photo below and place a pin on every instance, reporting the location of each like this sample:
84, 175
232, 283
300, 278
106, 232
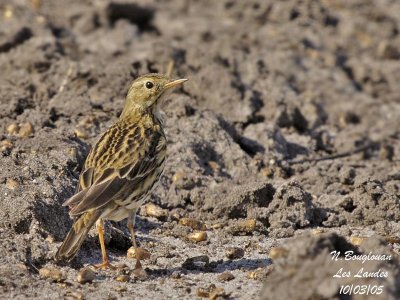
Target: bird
122, 167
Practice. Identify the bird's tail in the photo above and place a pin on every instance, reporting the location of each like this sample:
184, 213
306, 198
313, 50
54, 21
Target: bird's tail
76, 235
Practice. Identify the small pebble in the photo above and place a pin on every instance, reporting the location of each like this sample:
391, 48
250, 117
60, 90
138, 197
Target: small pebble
64, 284
356, 240
277, 252
155, 211
202, 293
197, 236
87, 122
11, 184
49, 239
249, 225
234, 252
226, 276
193, 223
81, 133
217, 226
139, 253
259, 274
317, 231
52, 273
8, 12
217, 293
213, 165
178, 176
267, 172
120, 288
243, 226
122, 278
6, 145
13, 128
25, 130
131, 253
212, 292
85, 275
197, 262
177, 214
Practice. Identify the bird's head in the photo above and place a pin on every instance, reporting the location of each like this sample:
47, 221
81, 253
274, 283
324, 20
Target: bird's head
147, 91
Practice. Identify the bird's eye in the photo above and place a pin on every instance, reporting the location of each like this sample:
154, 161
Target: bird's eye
149, 84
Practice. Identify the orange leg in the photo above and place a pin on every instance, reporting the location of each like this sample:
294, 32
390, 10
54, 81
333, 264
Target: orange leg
106, 262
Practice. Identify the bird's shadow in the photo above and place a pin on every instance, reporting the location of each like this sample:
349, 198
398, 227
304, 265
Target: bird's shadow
245, 264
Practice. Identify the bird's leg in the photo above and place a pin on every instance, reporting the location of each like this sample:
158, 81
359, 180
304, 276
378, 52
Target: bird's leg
106, 262
131, 227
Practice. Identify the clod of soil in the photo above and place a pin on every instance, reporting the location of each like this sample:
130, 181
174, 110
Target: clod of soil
85, 275
312, 270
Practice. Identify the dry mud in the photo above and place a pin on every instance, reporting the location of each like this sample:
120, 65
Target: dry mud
290, 118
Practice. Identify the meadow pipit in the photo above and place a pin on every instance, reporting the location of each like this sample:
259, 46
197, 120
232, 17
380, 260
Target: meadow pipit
122, 167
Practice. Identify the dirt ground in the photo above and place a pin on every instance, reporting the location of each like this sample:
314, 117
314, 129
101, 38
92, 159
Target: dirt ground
285, 143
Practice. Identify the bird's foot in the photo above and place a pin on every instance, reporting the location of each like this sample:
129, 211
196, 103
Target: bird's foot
107, 265
139, 272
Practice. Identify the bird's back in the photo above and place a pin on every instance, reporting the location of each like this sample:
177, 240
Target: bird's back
126, 160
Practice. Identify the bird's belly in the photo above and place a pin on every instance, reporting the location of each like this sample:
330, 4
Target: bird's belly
118, 214
136, 198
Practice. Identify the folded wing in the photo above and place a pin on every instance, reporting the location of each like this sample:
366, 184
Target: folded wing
105, 178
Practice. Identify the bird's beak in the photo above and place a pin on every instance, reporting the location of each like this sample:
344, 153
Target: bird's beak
174, 83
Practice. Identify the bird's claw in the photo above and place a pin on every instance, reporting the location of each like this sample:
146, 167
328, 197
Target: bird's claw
107, 265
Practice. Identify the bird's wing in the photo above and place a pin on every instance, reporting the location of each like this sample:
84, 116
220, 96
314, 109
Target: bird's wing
120, 160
